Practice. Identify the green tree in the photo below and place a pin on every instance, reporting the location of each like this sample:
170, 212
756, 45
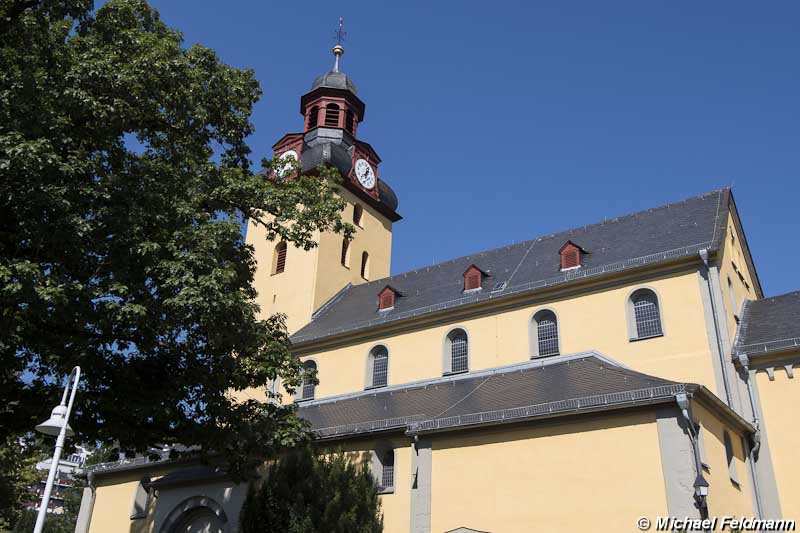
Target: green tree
306, 493
124, 178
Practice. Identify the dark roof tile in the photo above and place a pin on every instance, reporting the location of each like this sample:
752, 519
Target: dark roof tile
559, 383
770, 324
670, 231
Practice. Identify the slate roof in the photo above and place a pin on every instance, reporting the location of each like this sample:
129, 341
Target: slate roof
334, 80
655, 235
538, 388
770, 325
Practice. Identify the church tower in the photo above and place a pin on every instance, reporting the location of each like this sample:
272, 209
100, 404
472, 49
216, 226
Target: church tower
297, 282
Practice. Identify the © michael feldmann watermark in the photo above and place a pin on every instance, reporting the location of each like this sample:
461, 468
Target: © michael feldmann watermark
715, 523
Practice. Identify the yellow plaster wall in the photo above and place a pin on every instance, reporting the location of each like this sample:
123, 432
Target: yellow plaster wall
598, 475
733, 266
290, 292
594, 320
724, 496
313, 276
779, 401
374, 236
114, 496
396, 506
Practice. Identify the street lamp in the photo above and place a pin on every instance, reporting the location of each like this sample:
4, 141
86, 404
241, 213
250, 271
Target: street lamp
57, 426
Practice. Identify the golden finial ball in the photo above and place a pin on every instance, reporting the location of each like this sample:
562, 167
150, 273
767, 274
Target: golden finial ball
338, 50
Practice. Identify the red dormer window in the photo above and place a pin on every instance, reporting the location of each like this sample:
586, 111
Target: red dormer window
570, 256
473, 277
386, 298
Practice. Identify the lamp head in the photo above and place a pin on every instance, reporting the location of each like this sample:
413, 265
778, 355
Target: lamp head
52, 426
700, 487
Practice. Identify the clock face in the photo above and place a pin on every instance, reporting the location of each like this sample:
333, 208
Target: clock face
286, 167
364, 173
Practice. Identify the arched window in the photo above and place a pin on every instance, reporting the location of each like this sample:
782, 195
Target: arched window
346, 253
358, 215
382, 465
279, 258
456, 352
644, 315
332, 115
309, 386
545, 333
365, 265
313, 117
732, 296
730, 457
378, 367
349, 121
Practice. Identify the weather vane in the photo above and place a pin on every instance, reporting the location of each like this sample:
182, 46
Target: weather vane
338, 50
339, 34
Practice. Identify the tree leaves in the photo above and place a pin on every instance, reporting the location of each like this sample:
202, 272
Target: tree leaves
124, 178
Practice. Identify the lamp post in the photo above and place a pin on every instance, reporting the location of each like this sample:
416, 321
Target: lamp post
57, 426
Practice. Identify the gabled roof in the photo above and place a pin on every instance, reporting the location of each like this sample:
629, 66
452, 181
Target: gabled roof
657, 235
538, 388
770, 325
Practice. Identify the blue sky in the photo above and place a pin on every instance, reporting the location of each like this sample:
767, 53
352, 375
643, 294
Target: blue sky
502, 121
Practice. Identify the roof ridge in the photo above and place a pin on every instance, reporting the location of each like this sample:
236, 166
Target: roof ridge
777, 296
552, 235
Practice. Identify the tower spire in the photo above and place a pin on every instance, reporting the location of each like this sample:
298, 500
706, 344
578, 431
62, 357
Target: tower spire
338, 50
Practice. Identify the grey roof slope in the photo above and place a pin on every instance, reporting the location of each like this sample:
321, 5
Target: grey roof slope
770, 325
535, 388
655, 235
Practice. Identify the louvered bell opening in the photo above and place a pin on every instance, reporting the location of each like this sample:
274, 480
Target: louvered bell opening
472, 281
358, 212
386, 300
313, 117
332, 115
570, 258
349, 121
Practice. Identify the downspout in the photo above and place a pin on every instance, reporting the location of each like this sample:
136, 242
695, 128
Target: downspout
720, 347
702, 499
744, 360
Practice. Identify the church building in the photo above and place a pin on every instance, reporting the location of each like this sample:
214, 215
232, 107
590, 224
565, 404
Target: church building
577, 381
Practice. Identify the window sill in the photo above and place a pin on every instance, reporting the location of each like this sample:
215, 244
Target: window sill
345, 266
277, 273
373, 387
302, 400
634, 339
385, 490
455, 373
545, 356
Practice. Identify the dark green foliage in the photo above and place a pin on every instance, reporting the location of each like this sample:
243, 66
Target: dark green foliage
124, 176
303, 493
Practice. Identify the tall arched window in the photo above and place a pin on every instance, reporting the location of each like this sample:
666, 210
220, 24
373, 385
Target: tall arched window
644, 315
279, 258
456, 352
309, 386
313, 117
346, 253
382, 465
545, 333
349, 121
365, 265
358, 215
378, 367
332, 115
730, 457
387, 473
732, 296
